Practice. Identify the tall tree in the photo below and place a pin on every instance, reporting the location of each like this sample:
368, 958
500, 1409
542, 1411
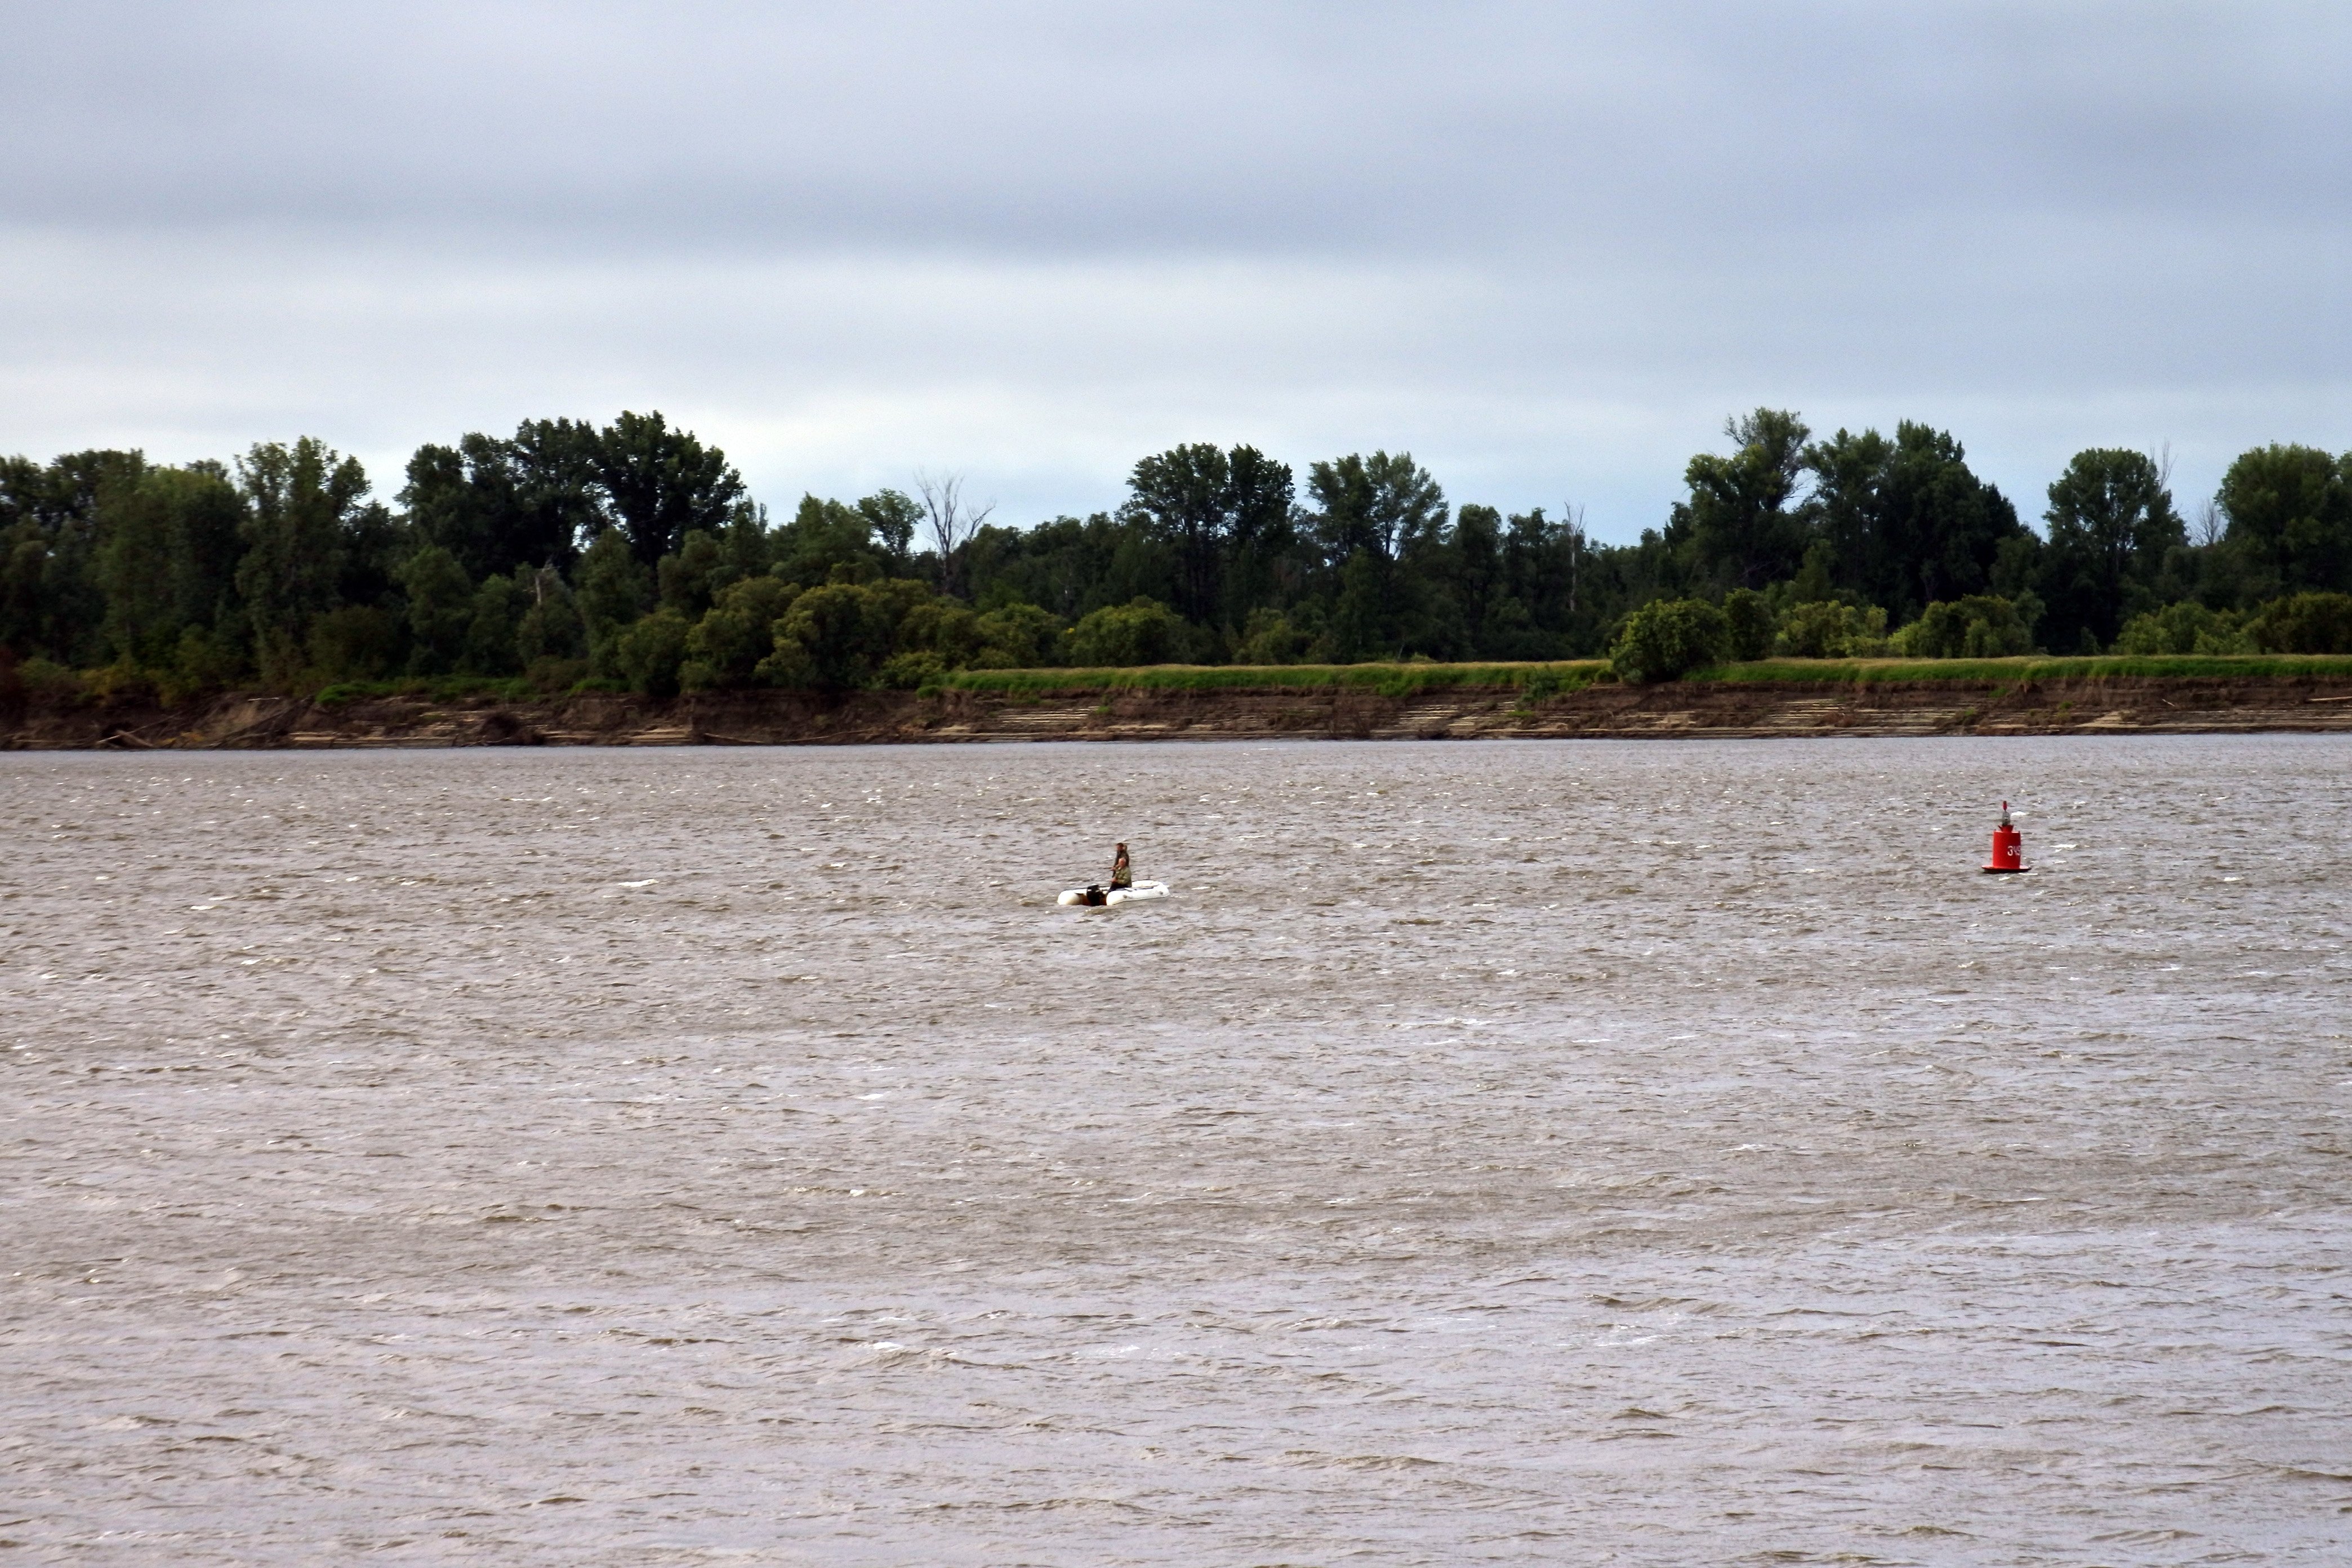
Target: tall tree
660, 482
1906, 521
167, 558
2111, 522
1736, 525
2290, 519
1382, 504
302, 502
1183, 494
558, 489
50, 600
1217, 512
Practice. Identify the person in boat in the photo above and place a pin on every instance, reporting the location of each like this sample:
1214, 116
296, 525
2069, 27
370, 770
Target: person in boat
1122, 875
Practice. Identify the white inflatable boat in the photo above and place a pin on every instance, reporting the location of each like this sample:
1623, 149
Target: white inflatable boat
1097, 897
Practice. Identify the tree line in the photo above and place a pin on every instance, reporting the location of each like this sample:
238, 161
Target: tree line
632, 555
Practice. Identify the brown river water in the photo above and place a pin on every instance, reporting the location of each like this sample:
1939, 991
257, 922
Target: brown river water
1587, 1153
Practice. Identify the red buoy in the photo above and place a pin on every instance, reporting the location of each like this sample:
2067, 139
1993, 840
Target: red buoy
2008, 847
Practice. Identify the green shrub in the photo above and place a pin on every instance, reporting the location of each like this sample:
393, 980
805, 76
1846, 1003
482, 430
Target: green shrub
205, 661
1268, 638
1827, 629
2185, 627
1141, 631
912, 671
1017, 637
1667, 638
835, 636
729, 643
650, 652
44, 682
2304, 622
1981, 625
358, 642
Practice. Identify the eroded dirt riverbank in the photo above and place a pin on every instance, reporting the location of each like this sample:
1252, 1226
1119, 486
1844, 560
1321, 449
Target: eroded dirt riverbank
781, 718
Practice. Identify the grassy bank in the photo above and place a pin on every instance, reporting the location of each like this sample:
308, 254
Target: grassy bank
1403, 679
2020, 670
1387, 679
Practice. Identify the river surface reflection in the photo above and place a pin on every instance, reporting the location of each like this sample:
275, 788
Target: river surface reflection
1667, 1152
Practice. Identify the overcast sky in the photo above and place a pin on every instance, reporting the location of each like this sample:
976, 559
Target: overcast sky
1546, 247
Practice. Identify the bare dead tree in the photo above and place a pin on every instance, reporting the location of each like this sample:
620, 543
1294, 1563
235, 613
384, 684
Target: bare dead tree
950, 519
2210, 525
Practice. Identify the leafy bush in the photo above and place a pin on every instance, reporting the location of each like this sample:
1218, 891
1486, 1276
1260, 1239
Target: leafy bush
650, 652
43, 681
204, 661
1981, 625
1268, 638
1021, 636
551, 626
2186, 627
1826, 628
837, 636
358, 642
2304, 622
1141, 631
912, 671
1748, 620
1667, 638
729, 643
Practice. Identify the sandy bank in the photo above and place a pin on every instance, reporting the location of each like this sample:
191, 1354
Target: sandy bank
2096, 706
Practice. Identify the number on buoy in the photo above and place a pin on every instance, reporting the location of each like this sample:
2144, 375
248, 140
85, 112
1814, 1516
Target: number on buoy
2008, 847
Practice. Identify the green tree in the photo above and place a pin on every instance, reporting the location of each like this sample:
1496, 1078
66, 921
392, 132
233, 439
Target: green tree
841, 633
52, 603
692, 577
558, 490
440, 610
550, 630
1017, 637
1749, 623
2111, 523
493, 505
1736, 525
303, 502
167, 558
891, 518
824, 536
2184, 627
1382, 504
660, 482
611, 589
491, 630
1217, 512
2290, 518
1829, 628
1904, 521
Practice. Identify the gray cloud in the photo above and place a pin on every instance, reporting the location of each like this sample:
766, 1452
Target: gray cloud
1546, 248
